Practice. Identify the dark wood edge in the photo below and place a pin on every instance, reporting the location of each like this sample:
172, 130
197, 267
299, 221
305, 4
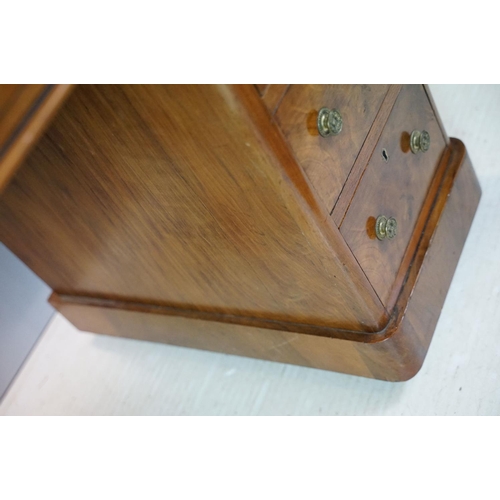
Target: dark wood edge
419, 226
358, 169
57, 299
402, 355
452, 162
31, 128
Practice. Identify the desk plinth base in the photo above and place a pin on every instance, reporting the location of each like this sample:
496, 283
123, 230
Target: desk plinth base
396, 353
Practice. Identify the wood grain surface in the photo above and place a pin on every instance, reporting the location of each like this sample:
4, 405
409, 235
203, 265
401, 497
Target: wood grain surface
328, 161
72, 372
174, 196
262, 88
273, 96
395, 353
15, 103
415, 316
394, 188
358, 169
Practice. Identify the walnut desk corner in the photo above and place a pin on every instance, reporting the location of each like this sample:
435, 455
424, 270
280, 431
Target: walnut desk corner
317, 225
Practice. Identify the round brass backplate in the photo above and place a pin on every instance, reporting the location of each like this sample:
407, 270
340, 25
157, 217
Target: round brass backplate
386, 228
329, 122
420, 141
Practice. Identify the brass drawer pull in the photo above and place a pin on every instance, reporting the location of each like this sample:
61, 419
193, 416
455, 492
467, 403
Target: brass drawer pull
329, 122
386, 228
420, 141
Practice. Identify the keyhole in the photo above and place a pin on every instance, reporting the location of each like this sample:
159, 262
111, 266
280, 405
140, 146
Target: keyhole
385, 156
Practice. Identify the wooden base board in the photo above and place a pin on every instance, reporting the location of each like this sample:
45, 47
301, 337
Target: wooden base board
395, 353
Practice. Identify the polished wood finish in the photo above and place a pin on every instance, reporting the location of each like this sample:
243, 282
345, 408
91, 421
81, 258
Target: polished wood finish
182, 197
262, 88
366, 152
25, 112
15, 103
395, 353
327, 162
430, 274
273, 96
395, 188
419, 228
215, 217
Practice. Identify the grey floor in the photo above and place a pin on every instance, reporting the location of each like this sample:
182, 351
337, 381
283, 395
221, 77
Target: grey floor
72, 372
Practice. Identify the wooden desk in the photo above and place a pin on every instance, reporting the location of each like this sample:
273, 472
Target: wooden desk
218, 217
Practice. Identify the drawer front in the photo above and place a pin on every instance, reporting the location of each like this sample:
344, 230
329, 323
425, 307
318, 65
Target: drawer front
395, 185
327, 161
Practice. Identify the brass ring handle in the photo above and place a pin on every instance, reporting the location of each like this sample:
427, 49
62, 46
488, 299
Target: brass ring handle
386, 228
420, 141
329, 122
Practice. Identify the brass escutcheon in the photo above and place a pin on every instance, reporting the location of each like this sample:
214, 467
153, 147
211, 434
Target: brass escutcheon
420, 141
329, 122
386, 228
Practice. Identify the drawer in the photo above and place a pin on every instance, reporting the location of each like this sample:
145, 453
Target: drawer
395, 184
327, 161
